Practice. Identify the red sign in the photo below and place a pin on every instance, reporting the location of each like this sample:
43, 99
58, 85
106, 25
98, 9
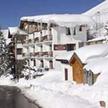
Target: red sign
59, 47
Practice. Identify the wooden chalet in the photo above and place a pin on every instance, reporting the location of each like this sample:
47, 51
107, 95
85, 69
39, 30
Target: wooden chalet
78, 65
81, 75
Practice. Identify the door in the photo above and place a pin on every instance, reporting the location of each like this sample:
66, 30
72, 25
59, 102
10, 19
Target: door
77, 72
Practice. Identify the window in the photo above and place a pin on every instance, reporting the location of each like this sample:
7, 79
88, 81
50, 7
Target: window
66, 74
74, 31
51, 64
68, 32
80, 28
19, 50
42, 63
44, 26
34, 62
70, 47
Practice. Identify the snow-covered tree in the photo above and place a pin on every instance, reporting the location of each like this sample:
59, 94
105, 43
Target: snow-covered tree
3, 54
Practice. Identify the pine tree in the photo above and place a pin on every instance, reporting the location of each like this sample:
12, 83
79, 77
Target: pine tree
3, 54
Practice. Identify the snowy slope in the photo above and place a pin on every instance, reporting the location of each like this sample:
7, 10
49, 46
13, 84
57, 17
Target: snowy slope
102, 7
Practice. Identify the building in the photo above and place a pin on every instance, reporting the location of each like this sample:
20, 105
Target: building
43, 37
81, 63
99, 15
15, 49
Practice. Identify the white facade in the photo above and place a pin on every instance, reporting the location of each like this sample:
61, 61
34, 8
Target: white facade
51, 35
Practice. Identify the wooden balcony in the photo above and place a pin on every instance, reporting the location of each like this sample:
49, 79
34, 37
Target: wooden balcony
46, 53
29, 40
36, 39
36, 54
44, 38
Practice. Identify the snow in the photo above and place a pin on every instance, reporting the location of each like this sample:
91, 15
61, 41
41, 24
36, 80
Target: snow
5, 34
92, 51
50, 91
5, 80
60, 19
86, 53
16, 30
102, 7
97, 65
65, 56
98, 38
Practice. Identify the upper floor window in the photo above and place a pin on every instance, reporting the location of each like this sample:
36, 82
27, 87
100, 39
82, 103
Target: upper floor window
74, 31
70, 47
68, 32
80, 28
19, 50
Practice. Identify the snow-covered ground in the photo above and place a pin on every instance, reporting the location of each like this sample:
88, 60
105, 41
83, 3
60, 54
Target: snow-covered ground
50, 91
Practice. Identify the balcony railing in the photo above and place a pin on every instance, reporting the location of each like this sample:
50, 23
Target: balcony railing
30, 40
46, 54
39, 54
46, 38
36, 39
36, 54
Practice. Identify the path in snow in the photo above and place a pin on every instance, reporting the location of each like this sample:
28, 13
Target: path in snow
11, 97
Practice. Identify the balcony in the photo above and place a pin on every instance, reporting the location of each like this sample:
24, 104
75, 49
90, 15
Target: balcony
36, 54
46, 54
46, 38
29, 40
36, 39
21, 41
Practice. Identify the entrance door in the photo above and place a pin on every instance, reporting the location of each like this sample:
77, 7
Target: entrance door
77, 72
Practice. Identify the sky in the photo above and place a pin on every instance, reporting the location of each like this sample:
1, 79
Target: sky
12, 10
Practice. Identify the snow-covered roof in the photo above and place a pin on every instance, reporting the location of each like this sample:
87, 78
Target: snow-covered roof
98, 39
92, 51
16, 30
98, 65
65, 55
60, 19
102, 7
86, 53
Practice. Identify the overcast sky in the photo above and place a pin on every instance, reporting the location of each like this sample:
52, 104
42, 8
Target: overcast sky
12, 10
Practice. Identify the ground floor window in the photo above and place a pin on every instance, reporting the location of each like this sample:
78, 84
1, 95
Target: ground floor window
34, 62
51, 64
66, 74
42, 63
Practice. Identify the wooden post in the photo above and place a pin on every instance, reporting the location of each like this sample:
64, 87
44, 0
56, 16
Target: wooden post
102, 104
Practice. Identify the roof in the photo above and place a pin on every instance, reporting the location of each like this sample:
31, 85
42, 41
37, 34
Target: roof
86, 53
16, 30
92, 51
97, 65
60, 19
65, 55
98, 39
